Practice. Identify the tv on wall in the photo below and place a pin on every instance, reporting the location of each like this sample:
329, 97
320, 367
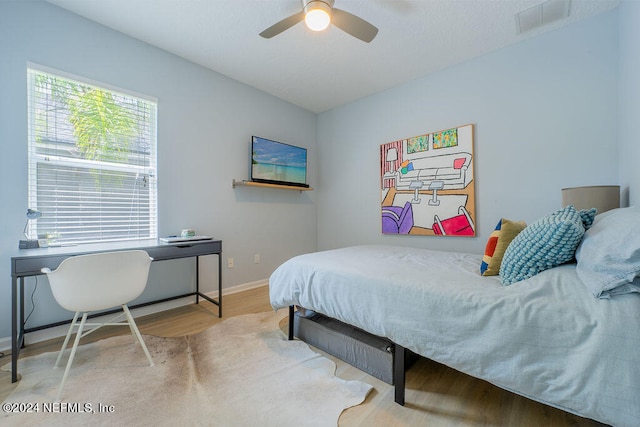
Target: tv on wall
274, 162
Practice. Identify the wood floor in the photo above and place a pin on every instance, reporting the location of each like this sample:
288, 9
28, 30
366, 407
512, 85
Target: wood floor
435, 395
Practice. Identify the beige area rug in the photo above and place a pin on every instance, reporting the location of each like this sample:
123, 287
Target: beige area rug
241, 372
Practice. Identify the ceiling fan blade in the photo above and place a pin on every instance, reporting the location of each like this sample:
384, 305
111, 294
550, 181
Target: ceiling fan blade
283, 25
353, 25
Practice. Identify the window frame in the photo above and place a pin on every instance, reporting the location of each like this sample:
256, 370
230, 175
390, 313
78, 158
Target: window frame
141, 147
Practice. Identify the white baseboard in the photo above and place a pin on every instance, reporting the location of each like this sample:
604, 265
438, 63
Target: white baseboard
240, 288
60, 331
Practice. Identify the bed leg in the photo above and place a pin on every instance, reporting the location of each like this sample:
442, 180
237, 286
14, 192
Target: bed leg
399, 374
291, 319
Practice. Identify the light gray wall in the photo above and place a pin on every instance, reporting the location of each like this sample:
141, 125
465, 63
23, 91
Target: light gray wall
205, 122
545, 116
629, 107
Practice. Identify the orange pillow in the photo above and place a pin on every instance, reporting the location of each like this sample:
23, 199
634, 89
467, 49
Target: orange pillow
499, 239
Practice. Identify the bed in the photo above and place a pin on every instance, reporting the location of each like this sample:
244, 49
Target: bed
548, 337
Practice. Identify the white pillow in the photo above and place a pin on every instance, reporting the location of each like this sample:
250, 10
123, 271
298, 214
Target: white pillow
609, 254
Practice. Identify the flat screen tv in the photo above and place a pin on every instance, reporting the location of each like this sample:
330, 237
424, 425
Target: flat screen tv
278, 163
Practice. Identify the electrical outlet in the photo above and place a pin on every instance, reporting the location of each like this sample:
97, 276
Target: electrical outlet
230, 262
256, 259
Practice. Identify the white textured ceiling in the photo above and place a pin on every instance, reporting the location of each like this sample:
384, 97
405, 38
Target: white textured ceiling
320, 71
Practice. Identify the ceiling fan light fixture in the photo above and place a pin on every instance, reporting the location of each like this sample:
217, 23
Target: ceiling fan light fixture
317, 15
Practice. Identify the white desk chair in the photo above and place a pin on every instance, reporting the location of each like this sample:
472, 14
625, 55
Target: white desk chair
100, 281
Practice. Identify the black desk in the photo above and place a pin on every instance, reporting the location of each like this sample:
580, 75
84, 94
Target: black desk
29, 262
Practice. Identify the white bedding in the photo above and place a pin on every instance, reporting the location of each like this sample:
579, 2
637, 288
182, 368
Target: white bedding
547, 338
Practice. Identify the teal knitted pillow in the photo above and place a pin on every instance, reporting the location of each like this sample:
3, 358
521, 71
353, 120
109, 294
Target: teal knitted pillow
544, 244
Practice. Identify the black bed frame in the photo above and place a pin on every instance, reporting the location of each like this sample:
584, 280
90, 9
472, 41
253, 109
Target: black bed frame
398, 362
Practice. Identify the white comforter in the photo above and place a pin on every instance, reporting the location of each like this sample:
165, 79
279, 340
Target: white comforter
546, 338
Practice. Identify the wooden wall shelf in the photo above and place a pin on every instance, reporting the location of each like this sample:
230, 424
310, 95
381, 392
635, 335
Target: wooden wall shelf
243, 183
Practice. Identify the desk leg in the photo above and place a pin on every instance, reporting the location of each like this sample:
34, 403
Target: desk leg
197, 279
198, 294
14, 330
220, 284
21, 325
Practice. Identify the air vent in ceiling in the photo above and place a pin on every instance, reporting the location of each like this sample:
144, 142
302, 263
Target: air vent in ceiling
542, 14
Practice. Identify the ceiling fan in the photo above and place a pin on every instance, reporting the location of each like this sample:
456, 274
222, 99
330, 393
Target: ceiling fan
318, 14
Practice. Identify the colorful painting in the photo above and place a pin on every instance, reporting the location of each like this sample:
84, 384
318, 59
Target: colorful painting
445, 139
417, 144
427, 184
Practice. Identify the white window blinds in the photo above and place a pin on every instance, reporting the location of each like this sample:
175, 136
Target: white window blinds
92, 161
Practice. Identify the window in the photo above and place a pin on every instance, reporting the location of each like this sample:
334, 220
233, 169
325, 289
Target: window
92, 161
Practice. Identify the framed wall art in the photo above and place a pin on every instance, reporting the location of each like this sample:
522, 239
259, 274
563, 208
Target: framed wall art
427, 184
